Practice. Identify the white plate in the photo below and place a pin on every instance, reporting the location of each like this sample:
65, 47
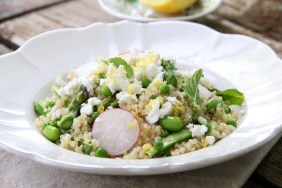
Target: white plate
246, 63
135, 11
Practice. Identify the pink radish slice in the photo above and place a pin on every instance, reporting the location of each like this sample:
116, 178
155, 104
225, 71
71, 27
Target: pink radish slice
117, 131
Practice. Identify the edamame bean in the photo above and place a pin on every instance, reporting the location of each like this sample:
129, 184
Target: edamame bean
51, 133
165, 89
171, 123
95, 115
105, 91
213, 104
101, 153
115, 104
66, 122
145, 82
39, 109
209, 126
232, 122
50, 104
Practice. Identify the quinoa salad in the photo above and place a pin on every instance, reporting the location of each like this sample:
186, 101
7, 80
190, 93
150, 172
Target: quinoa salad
137, 105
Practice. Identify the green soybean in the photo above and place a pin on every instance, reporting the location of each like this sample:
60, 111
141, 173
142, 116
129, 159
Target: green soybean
171, 123
213, 104
39, 109
115, 104
209, 126
232, 122
105, 91
95, 115
50, 104
145, 82
51, 133
101, 152
66, 122
165, 89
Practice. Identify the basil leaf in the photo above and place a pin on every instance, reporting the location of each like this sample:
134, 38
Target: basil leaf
191, 88
232, 96
117, 61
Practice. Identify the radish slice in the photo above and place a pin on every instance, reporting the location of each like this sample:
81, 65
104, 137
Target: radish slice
117, 131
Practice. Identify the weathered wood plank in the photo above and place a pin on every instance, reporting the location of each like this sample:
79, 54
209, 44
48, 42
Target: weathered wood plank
271, 166
227, 26
4, 49
10, 8
264, 17
69, 14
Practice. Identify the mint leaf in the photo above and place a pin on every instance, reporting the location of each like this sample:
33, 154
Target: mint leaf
191, 88
232, 96
169, 74
132, 1
117, 61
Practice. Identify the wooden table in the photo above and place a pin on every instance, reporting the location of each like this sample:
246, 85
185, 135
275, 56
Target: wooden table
22, 19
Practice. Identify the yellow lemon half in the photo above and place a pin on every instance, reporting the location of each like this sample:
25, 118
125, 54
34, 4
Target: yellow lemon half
168, 6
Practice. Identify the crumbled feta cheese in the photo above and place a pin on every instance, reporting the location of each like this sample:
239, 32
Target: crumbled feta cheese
68, 88
198, 130
156, 112
135, 88
210, 140
116, 78
88, 108
202, 120
151, 71
124, 98
88, 83
173, 100
56, 114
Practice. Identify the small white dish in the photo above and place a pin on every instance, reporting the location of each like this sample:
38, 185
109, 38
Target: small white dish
124, 9
246, 63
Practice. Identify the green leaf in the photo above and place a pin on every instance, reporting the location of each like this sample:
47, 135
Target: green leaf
232, 96
117, 61
191, 88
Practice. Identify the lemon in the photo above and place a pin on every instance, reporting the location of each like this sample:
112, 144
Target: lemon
168, 6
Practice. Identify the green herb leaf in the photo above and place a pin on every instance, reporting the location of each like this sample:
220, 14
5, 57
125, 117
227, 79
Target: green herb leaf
169, 75
232, 96
191, 88
117, 61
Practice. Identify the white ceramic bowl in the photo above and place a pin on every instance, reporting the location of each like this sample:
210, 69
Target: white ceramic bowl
131, 11
246, 63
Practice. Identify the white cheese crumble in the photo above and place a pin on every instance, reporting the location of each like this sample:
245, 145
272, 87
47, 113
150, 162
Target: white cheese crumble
88, 108
173, 100
124, 98
116, 78
198, 130
151, 71
56, 114
156, 112
202, 120
210, 140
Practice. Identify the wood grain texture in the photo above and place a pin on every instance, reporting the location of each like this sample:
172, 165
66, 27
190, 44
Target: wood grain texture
271, 167
10, 8
4, 49
264, 17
